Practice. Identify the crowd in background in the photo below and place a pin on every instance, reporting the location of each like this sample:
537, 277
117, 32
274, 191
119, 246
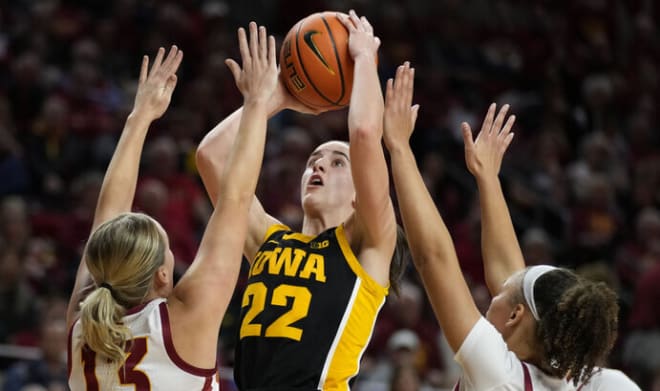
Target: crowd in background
582, 177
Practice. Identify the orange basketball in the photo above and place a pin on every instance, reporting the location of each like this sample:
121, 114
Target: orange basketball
315, 63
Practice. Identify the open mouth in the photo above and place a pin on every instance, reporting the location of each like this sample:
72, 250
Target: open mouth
315, 180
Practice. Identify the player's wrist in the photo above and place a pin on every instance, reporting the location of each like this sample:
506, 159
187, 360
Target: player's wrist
139, 117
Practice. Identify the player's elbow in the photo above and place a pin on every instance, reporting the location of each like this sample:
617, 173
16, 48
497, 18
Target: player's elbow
202, 155
431, 256
365, 132
205, 160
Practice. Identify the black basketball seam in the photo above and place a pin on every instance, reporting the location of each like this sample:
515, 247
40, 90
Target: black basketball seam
299, 97
339, 67
309, 80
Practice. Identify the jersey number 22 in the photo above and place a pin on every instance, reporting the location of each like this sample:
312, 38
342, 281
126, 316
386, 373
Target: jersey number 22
281, 327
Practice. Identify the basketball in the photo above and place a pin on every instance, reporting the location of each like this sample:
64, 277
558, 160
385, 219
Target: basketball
317, 67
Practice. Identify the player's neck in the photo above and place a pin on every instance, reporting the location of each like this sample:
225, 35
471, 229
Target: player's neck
315, 224
523, 343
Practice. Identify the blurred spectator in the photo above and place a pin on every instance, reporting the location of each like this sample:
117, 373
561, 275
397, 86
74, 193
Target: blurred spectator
597, 159
537, 247
407, 311
641, 251
18, 305
405, 378
172, 197
50, 371
403, 351
14, 169
596, 221
642, 347
15, 226
655, 381
54, 153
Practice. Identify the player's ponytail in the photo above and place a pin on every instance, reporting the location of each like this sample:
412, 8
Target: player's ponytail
102, 329
578, 323
122, 256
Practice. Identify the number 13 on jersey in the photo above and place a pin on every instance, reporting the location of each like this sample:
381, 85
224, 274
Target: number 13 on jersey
255, 297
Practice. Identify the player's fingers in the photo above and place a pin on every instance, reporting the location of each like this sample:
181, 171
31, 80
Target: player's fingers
499, 120
157, 61
367, 26
243, 46
467, 136
389, 91
409, 83
254, 41
507, 126
346, 21
169, 59
488, 120
414, 111
507, 142
263, 44
234, 68
272, 52
173, 65
144, 69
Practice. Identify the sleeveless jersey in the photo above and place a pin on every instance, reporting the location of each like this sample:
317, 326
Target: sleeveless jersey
488, 364
152, 363
307, 313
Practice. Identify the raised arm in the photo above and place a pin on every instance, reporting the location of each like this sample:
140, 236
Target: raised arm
208, 284
501, 252
154, 92
431, 245
374, 212
213, 153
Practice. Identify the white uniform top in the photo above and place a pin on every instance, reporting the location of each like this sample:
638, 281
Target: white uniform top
488, 365
152, 364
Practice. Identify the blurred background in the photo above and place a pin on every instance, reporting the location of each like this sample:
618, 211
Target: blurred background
582, 176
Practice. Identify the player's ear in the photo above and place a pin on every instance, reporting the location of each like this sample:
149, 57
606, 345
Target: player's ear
516, 315
162, 277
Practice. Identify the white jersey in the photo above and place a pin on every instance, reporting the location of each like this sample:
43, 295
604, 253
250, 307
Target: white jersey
152, 364
488, 365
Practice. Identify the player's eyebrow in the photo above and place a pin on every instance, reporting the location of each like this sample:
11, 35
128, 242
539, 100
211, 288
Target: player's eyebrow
334, 152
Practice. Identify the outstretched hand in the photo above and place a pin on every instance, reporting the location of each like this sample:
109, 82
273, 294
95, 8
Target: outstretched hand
483, 156
361, 39
257, 79
156, 86
282, 99
399, 116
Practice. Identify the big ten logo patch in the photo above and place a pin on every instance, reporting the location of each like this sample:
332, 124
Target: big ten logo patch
319, 245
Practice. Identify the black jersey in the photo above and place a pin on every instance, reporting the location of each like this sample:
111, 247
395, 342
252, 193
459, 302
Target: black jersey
307, 314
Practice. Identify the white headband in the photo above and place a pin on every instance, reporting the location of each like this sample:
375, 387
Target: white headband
533, 274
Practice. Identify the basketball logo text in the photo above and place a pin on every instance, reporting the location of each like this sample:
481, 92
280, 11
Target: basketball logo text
291, 68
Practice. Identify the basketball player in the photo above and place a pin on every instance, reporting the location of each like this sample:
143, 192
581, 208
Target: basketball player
546, 328
312, 297
133, 329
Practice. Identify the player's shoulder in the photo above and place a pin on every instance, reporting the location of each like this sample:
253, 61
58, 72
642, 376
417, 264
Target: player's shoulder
607, 379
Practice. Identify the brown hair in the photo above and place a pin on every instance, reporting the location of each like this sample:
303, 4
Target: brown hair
578, 323
400, 260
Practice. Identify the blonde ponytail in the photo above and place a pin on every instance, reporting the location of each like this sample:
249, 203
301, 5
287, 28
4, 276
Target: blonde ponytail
122, 255
102, 328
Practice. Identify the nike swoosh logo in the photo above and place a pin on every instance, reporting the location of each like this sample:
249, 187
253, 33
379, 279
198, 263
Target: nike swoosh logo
310, 43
